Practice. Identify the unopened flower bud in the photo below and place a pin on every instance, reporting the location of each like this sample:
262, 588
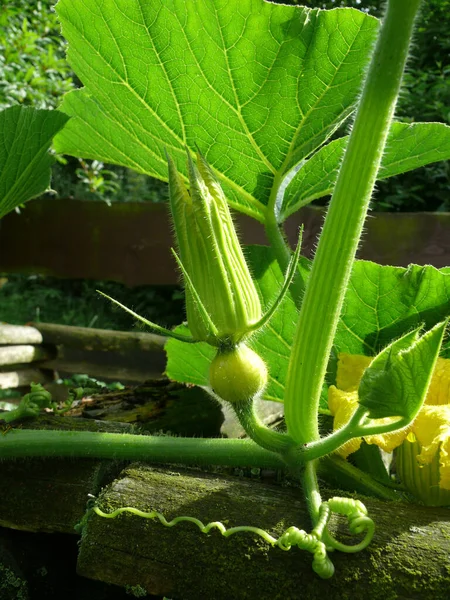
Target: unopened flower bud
212, 257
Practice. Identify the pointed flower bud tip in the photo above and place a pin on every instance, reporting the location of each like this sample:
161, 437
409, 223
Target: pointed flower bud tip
219, 283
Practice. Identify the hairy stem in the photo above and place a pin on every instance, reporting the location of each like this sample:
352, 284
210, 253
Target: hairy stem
282, 251
338, 243
244, 453
311, 490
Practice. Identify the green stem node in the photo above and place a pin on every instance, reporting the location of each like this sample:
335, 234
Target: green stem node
358, 426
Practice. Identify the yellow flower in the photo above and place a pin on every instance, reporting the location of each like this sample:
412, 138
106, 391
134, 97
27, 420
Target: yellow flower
432, 431
429, 432
350, 370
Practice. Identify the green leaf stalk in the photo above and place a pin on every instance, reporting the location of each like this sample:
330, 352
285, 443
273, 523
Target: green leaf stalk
344, 223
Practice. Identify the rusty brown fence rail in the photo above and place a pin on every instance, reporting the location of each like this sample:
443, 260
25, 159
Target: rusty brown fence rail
130, 242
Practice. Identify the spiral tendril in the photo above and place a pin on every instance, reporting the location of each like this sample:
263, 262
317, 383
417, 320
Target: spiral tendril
358, 521
40, 396
315, 542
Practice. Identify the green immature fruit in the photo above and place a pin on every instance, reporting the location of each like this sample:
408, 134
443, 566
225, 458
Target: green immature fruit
237, 375
218, 281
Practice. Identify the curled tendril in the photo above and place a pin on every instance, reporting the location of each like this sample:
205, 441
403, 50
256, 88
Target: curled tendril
39, 395
322, 565
203, 528
315, 542
358, 521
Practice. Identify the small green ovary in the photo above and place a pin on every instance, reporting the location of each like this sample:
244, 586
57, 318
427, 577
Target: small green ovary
237, 375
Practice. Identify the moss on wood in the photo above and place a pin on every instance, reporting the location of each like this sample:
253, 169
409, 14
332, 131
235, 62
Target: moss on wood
408, 558
51, 494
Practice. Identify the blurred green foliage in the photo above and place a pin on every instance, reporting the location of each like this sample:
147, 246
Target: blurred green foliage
92, 180
425, 97
75, 302
33, 68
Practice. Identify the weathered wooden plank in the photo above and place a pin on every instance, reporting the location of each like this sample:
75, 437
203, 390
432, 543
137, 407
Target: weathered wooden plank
130, 242
23, 377
114, 372
126, 242
105, 340
409, 556
397, 239
51, 496
131, 357
12, 355
19, 334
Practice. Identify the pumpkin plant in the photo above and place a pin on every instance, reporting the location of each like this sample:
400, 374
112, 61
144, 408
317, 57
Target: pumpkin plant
258, 91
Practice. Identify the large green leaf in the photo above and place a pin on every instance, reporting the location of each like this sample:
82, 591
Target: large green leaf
257, 86
25, 137
382, 303
190, 363
408, 147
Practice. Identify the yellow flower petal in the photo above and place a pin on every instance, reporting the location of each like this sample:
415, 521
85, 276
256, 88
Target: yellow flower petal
388, 441
342, 406
350, 370
439, 390
432, 430
444, 465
